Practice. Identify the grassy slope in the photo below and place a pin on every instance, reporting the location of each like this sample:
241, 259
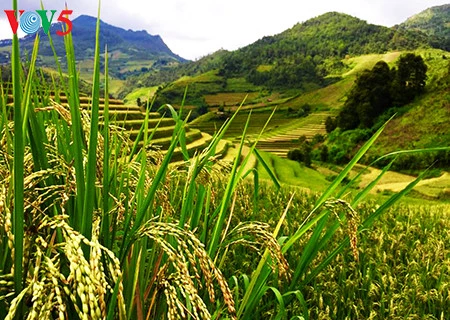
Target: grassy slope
142, 93
317, 179
293, 173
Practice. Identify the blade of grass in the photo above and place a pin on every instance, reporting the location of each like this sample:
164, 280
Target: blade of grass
134, 270
214, 241
267, 168
56, 59
260, 276
78, 145
18, 162
315, 242
160, 175
113, 301
236, 173
30, 77
281, 314
298, 294
89, 197
361, 195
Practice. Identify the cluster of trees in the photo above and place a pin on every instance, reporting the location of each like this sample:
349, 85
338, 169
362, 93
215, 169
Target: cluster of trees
418, 161
379, 89
302, 154
309, 150
291, 68
287, 74
340, 149
301, 112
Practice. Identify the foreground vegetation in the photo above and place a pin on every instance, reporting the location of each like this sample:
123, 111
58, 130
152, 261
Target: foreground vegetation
92, 226
402, 273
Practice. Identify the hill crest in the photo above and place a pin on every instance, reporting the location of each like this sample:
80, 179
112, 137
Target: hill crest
434, 22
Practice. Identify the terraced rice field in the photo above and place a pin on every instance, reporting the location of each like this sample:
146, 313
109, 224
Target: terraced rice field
257, 122
130, 118
280, 141
281, 134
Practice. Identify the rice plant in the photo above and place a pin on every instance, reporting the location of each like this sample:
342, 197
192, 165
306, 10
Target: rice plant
93, 226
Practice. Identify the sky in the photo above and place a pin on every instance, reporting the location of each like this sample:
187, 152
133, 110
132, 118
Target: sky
196, 28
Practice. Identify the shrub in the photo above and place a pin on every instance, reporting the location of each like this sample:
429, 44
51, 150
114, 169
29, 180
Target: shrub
303, 154
330, 124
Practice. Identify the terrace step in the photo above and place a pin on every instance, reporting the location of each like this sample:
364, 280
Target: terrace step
136, 124
277, 144
160, 132
112, 107
281, 154
282, 142
87, 100
193, 147
222, 148
164, 143
123, 114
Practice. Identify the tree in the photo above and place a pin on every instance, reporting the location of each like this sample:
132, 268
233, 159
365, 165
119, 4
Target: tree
378, 89
330, 124
324, 153
369, 98
410, 78
303, 153
348, 117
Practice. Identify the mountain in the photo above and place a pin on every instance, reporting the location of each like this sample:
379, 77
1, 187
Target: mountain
434, 22
304, 56
314, 45
132, 50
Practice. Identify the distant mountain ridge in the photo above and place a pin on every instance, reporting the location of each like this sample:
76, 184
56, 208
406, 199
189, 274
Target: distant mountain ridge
434, 22
125, 45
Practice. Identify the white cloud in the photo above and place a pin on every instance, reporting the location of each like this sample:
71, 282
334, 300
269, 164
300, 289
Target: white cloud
5, 29
193, 28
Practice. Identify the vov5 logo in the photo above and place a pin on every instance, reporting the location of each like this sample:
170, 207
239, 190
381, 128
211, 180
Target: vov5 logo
30, 21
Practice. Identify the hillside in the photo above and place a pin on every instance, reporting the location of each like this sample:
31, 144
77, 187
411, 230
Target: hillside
435, 22
424, 123
306, 56
131, 51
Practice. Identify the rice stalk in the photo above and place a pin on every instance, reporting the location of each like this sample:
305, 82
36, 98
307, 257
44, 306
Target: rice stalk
352, 218
187, 259
258, 237
84, 288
